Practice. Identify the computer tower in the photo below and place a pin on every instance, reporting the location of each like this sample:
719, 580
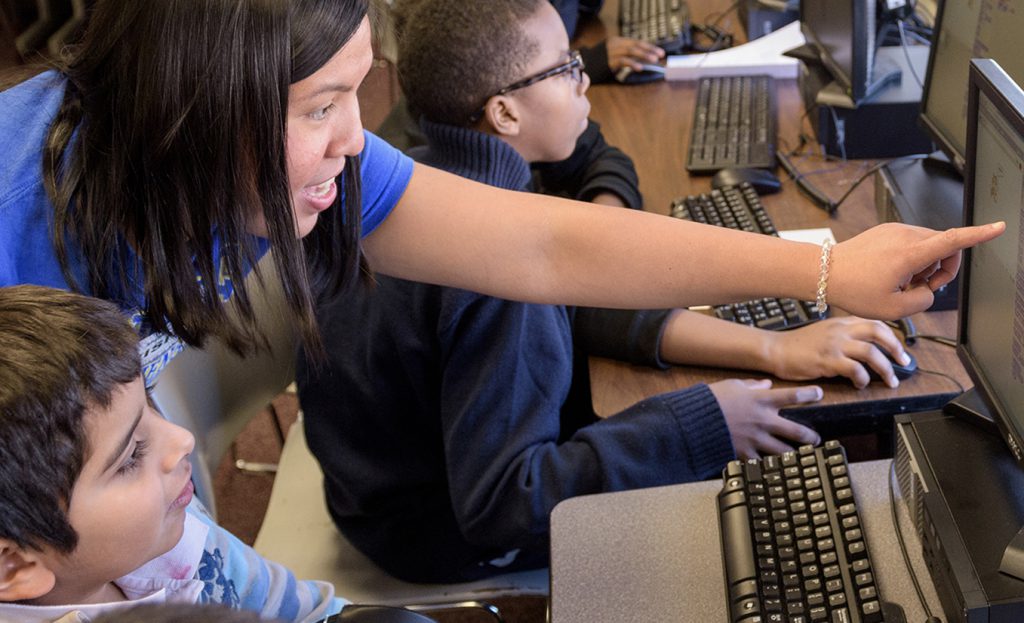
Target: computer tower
883, 126
965, 494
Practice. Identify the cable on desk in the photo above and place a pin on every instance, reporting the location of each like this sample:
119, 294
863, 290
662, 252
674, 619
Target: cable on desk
722, 14
901, 26
903, 545
840, 132
944, 375
875, 167
938, 339
910, 334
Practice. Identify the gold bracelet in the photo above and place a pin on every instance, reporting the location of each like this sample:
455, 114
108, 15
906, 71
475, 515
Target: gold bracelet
820, 304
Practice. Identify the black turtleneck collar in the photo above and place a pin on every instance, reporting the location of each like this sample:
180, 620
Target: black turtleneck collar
473, 155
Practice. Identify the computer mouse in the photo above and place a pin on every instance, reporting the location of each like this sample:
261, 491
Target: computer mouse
650, 73
378, 614
901, 371
764, 181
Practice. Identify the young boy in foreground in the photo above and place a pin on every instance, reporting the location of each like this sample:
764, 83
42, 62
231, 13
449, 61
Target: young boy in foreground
95, 490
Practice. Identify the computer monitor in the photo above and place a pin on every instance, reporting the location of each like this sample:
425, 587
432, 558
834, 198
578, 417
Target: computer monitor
843, 34
962, 31
990, 340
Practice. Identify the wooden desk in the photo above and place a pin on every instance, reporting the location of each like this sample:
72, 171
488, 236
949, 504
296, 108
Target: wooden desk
651, 123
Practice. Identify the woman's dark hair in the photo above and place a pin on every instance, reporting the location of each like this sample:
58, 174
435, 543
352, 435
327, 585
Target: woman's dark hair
171, 138
63, 354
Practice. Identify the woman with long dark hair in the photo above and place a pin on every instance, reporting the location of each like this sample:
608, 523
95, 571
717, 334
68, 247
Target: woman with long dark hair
183, 138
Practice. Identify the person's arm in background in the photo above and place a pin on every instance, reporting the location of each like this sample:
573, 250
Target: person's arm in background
604, 60
842, 346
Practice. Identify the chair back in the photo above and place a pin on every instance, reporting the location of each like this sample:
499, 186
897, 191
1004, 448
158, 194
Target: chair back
298, 532
213, 392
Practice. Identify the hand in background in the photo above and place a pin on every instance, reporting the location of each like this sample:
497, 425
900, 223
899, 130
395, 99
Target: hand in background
634, 53
751, 410
836, 347
891, 270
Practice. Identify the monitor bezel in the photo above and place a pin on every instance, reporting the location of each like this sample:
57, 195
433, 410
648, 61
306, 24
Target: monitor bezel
941, 138
985, 76
856, 84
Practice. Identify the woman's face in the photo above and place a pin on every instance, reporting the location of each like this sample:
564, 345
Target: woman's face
323, 127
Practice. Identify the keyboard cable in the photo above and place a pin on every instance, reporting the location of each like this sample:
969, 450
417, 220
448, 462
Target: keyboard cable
903, 546
875, 167
901, 26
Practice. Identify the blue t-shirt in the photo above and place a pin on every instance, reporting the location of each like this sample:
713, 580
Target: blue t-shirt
26, 252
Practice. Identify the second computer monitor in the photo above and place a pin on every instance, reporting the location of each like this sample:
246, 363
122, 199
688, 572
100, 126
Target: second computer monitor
966, 30
991, 338
843, 34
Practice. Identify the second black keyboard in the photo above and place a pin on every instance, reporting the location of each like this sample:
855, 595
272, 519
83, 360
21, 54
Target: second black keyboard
793, 545
740, 207
665, 23
734, 124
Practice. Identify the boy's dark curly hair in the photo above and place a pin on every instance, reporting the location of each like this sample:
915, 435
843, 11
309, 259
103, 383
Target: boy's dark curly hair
453, 55
63, 354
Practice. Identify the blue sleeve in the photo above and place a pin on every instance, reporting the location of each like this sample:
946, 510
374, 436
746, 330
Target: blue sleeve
236, 576
385, 174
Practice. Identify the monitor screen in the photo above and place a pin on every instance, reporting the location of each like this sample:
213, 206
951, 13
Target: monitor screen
966, 30
843, 35
991, 335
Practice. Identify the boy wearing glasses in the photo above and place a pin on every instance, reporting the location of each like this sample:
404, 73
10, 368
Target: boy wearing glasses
448, 423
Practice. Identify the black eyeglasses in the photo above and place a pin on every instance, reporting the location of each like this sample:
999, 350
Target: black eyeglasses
573, 65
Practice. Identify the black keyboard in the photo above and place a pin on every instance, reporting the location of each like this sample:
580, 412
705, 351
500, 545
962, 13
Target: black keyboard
792, 542
665, 23
733, 124
740, 207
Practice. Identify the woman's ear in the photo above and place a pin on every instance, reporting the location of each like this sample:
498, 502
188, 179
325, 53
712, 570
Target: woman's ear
503, 115
23, 575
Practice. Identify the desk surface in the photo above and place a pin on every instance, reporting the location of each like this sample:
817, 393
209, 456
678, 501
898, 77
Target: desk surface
651, 123
652, 555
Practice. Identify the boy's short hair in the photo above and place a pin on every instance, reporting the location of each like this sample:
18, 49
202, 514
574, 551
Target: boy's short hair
454, 55
61, 354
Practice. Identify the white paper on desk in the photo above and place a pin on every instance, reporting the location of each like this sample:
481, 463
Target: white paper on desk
814, 236
760, 56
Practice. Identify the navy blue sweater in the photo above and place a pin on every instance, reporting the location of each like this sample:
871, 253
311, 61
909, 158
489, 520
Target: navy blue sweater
449, 424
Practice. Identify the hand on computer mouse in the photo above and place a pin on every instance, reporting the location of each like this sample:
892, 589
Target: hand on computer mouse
632, 53
751, 411
841, 346
647, 73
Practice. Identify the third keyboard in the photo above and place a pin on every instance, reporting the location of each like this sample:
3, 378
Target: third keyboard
734, 124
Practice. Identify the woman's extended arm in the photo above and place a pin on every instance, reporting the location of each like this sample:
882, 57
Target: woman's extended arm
529, 247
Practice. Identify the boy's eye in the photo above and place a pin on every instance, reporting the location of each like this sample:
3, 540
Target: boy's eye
319, 115
135, 459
